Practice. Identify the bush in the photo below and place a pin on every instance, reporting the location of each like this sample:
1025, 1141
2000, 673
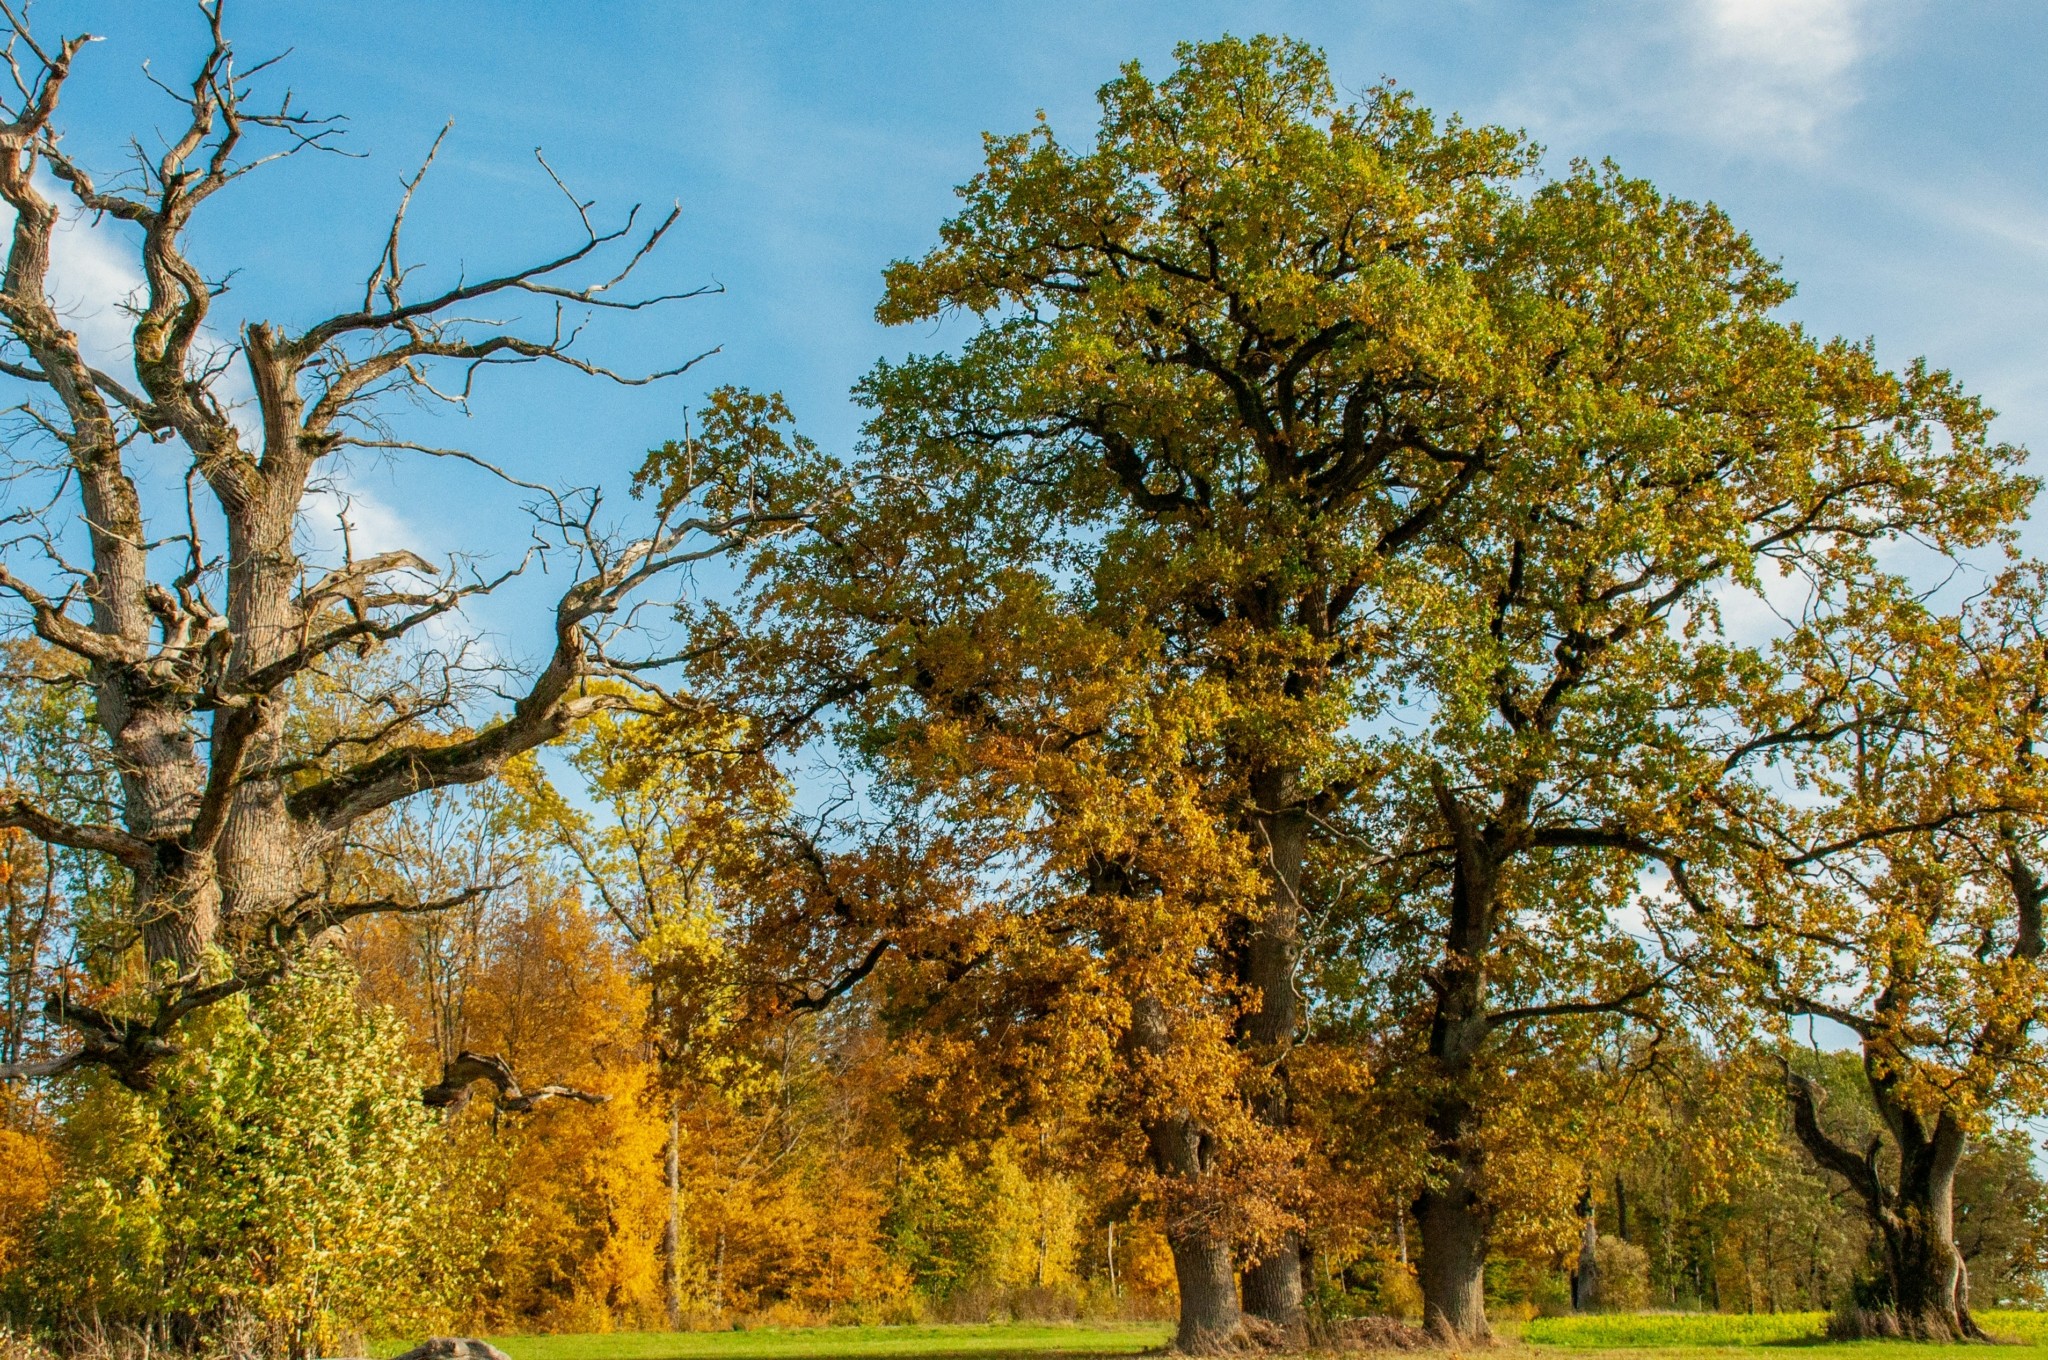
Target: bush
1379, 1284
275, 1185
988, 1242
1624, 1276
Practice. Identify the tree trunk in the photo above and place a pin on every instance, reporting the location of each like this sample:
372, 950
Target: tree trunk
1453, 1263
1586, 1275
178, 902
261, 863
672, 1231
1209, 1316
1914, 1220
1269, 962
1452, 1212
1273, 1288
1182, 1151
1929, 1286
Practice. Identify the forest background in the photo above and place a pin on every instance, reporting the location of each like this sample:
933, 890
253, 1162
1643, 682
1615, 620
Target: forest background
813, 1186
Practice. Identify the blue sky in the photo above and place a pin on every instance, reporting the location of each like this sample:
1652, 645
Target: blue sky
1888, 151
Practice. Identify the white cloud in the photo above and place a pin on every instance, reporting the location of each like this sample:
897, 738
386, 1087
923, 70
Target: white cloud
1754, 617
94, 278
339, 514
1776, 69
1754, 76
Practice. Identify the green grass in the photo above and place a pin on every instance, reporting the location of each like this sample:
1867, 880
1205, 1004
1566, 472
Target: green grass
1642, 1336
933, 1340
1607, 1331
1678, 1334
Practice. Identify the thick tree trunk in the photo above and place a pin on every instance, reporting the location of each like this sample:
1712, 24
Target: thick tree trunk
1210, 1319
1452, 1268
1929, 1286
1914, 1219
178, 902
262, 865
1452, 1211
1273, 1287
1269, 963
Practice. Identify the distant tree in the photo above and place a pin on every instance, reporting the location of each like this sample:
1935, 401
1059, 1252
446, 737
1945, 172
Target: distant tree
194, 625
2002, 1221
1709, 1180
54, 901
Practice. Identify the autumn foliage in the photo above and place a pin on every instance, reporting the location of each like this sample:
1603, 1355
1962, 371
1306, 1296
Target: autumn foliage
1255, 793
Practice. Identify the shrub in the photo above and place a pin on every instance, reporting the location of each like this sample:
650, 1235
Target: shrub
1624, 1276
273, 1184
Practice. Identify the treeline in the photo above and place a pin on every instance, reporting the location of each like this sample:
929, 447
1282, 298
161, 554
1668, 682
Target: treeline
1343, 731
284, 1176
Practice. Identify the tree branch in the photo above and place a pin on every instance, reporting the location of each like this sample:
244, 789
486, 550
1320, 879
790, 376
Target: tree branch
452, 1092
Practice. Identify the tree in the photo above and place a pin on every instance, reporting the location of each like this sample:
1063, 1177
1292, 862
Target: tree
1562, 653
227, 828
683, 806
1905, 902
53, 900
1232, 361
1275, 392
2002, 1221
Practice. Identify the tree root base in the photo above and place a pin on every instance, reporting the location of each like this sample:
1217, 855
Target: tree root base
1256, 1336
1251, 1336
1885, 1324
1373, 1334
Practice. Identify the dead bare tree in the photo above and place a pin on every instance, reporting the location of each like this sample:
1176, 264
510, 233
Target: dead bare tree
194, 654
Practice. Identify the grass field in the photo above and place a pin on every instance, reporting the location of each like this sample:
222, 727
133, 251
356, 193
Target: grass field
1651, 1336
857, 1343
1678, 1333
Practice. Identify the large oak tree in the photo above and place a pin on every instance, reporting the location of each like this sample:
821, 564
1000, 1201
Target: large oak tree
1563, 650
1898, 891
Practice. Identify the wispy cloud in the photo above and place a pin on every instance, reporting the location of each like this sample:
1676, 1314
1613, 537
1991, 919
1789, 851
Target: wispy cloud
1776, 69
94, 280
1757, 76
341, 516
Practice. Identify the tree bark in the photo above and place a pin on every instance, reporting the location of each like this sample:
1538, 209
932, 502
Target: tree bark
1927, 1278
1183, 1152
1210, 1319
1452, 1268
1269, 963
1273, 1287
1452, 1212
